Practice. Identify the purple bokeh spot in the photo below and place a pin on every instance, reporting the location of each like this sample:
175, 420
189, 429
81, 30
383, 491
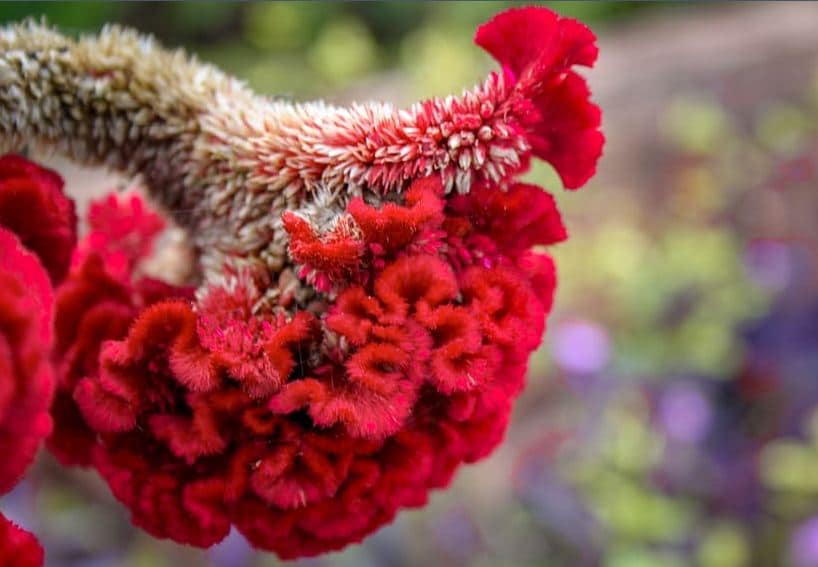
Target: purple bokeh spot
232, 551
456, 533
804, 544
684, 413
581, 346
768, 263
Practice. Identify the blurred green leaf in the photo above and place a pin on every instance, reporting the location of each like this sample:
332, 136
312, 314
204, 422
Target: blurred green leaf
724, 545
344, 51
696, 125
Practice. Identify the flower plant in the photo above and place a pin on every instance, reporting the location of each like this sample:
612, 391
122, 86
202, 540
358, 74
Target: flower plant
367, 288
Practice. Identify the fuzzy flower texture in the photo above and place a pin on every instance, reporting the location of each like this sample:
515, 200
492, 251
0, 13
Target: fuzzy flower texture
368, 288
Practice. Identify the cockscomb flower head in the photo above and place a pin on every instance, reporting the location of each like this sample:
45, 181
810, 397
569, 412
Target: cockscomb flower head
34, 253
370, 282
26, 303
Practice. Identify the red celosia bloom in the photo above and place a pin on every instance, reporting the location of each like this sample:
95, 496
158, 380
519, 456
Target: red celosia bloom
308, 423
98, 303
121, 232
25, 376
291, 428
365, 237
18, 548
327, 258
37, 234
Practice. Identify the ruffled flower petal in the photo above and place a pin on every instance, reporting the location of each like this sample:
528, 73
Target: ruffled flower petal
34, 207
537, 50
18, 548
26, 377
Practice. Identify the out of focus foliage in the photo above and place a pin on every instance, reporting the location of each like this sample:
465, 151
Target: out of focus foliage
672, 414
687, 335
304, 49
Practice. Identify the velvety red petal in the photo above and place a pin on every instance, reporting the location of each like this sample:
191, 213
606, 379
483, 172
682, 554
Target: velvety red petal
393, 226
300, 471
524, 216
336, 254
372, 408
18, 548
91, 308
354, 315
34, 207
165, 505
26, 376
121, 231
528, 37
566, 132
459, 360
543, 275
538, 49
509, 311
415, 282
190, 438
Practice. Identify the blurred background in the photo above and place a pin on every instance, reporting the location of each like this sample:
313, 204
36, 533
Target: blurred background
671, 416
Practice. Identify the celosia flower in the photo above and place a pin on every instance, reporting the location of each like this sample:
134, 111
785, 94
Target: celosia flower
26, 303
369, 290
32, 255
98, 303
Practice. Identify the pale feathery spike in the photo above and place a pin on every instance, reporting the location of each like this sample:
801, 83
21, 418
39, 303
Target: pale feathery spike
223, 162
